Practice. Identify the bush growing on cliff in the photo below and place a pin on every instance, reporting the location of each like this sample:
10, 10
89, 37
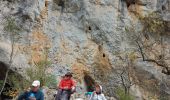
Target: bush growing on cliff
51, 81
39, 72
150, 40
153, 23
122, 95
1, 82
12, 30
151, 48
14, 85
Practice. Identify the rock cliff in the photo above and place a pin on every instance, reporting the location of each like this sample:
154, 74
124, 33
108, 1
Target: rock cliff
94, 39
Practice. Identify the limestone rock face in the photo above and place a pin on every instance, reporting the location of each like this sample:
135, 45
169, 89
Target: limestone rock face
87, 37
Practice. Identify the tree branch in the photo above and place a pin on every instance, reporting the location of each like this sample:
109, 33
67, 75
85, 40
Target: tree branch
10, 62
8, 68
159, 63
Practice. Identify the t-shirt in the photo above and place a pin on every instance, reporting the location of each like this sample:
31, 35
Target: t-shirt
66, 84
38, 95
98, 97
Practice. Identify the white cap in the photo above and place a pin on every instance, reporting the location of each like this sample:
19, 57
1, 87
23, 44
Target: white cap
36, 83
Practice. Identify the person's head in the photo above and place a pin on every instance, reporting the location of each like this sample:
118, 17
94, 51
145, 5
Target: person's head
35, 86
68, 75
98, 88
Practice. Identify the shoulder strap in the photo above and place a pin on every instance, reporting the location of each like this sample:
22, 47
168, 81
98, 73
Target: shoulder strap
92, 95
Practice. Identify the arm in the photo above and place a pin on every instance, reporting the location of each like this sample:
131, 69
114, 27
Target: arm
73, 86
42, 96
22, 96
92, 95
73, 83
61, 85
103, 97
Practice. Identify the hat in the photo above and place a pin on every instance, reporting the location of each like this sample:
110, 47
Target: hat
68, 74
36, 83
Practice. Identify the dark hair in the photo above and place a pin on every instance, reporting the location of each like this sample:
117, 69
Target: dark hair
69, 74
97, 85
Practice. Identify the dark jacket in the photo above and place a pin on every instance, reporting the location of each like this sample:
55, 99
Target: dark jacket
38, 95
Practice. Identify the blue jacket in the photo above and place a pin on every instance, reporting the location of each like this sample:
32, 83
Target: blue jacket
38, 95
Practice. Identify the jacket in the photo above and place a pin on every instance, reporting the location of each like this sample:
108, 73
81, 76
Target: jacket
38, 95
67, 84
99, 96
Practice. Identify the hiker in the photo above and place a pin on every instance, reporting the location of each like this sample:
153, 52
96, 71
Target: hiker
34, 94
66, 87
97, 94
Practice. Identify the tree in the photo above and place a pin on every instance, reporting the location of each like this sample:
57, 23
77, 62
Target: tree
150, 42
39, 71
12, 30
124, 73
153, 26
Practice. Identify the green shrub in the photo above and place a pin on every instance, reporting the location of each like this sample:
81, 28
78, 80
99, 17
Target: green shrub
13, 80
51, 81
153, 23
122, 96
38, 72
12, 29
15, 84
1, 83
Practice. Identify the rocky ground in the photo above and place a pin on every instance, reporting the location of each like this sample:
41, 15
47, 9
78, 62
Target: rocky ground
76, 96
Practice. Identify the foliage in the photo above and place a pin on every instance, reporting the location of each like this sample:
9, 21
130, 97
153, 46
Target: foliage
38, 72
12, 28
51, 81
1, 83
163, 98
16, 81
132, 56
11, 25
122, 95
153, 24
149, 43
14, 85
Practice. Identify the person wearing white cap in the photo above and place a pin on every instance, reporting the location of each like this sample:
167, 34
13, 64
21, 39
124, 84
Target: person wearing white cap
36, 83
34, 94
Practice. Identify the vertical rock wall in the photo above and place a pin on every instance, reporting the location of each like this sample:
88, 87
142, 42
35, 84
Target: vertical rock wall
84, 36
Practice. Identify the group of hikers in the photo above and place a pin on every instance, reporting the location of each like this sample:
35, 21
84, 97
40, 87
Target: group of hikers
66, 88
